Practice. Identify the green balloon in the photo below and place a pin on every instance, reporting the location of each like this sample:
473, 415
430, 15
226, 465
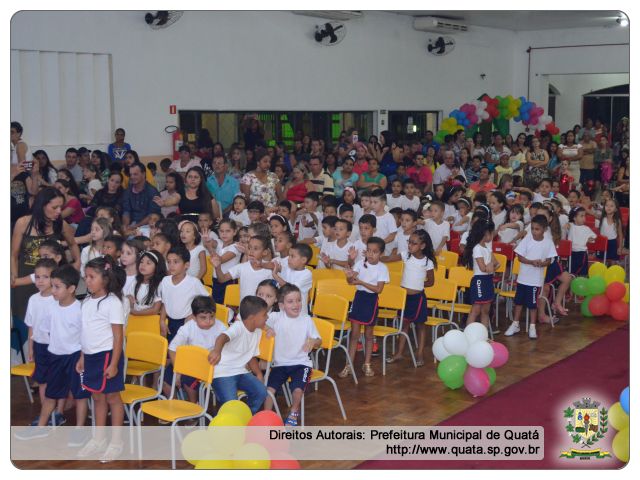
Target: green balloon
492, 375
584, 307
455, 384
451, 370
597, 285
580, 286
556, 138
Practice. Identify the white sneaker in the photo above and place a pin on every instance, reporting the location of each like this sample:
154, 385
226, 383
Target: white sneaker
532, 332
92, 448
114, 450
513, 329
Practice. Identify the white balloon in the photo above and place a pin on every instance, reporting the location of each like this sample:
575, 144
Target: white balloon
483, 104
456, 342
476, 332
438, 349
485, 115
479, 355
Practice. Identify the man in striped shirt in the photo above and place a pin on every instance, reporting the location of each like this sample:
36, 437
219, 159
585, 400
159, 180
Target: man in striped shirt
321, 180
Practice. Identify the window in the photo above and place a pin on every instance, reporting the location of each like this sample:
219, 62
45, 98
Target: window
609, 105
408, 126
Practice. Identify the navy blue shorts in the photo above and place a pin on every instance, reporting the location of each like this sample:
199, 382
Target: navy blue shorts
612, 250
42, 359
527, 296
185, 380
364, 309
553, 272
416, 311
62, 377
94, 380
481, 289
579, 263
218, 290
300, 376
173, 327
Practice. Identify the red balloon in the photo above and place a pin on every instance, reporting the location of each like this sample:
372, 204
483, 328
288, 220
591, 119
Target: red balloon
616, 291
285, 464
619, 311
599, 305
266, 418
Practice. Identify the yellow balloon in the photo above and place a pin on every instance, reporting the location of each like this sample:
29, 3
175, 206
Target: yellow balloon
626, 295
228, 433
618, 418
597, 269
240, 409
252, 456
615, 273
226, 420
620, 445
197, 446
214, 465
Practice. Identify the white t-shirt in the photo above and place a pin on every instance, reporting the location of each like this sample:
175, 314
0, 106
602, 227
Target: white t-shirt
481, 252
242, 218
465, 226
415, 271
88, 253
499, 218
580, 236
309, 232
437, 232
450, 211
534, 250
300, 278
537, 197
140, 298
38, 316
191, 334
129, 282
402, 241
411, 204
220, 250
509, 234
243, 345
463, 238
66, 324
336, 252
249, 278
291, 336
372, 274
563, 219
177, 298
609, 230
360, 247
393, 202
98, 314
385, 225
194, 262
176, 167
357, 213
94, 185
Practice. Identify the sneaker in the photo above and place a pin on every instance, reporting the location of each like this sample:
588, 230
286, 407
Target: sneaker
292, 420
31, 433
36, 421
92, 448
78, 437
114, 450
532, 332
513, 329
59, 418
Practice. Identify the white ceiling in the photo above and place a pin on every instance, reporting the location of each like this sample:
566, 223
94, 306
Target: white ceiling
524, 20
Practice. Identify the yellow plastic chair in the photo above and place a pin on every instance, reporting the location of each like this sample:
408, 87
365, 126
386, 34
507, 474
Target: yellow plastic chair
208, 274
25, 370
192, 361
395, 278
148, 348
327, 332
395, 266
440, 273
222, 314
338, 287
320, 274
335, 309
142, 323
461, 277
232, 295
313, 261
444, 294
447, 259
208, 289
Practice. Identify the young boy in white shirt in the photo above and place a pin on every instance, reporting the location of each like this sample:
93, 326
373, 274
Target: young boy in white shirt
386, 226
411, 201
367, 228
336, 253
535, 252
294, 271
235, 350
295, 336
395, 198
177, 290
437, 228
310, 218
202, 332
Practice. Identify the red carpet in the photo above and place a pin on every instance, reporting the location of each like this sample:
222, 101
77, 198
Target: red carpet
599, 371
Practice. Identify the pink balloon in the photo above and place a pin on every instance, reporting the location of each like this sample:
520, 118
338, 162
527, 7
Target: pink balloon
476, 381
500, 354
472, 108
473, 118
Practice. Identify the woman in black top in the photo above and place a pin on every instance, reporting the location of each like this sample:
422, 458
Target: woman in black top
196, 198
110, 195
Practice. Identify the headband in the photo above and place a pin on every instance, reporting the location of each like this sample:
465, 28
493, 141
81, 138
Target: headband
149, 254
467, 202
183, 222
350, 189
485, 207
277, 215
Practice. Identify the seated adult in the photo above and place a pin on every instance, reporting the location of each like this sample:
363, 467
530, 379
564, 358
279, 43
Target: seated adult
185, 162
299, 185
222, 186
196, 198
344, 177
445, 172
262, 184
372, 178
137, 200
484, 184
130, 158
421, 173
361, 164
72, 211
110, 195
321, 179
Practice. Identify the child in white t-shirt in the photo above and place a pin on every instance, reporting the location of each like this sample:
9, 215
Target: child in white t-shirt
580, 235
239, 213
336, 254
507, 232
229, 254
295, 271
100, 229
411, 200
462, 220
437, 228
142, 297
367, 228
386, 227
395, 198
190, 237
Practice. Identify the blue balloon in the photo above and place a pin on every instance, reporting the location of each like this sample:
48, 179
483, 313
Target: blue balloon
466, 122
523, 99
524, 116
624, 400
516, 119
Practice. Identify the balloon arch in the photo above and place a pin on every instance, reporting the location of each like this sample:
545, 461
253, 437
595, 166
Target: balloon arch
489, 109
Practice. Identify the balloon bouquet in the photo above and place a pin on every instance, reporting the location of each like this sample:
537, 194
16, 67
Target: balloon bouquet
218, 447
619, 420
468, 358
604, 292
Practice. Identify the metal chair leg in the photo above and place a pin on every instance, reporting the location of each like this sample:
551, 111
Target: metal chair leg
26, 384
335, 388
353, 370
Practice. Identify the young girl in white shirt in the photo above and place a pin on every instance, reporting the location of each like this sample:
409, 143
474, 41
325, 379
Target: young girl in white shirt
129, 260
143, 296
463, 218
190, 237
580, 235
100, 229
101, 363
498, 205
451, 197
611, 227
507, 232
239, 213
229, 255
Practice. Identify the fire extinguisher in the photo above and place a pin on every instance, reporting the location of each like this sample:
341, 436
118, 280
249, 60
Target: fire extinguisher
176, 139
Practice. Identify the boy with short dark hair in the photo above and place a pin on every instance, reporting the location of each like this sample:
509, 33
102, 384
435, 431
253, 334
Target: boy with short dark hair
294, 270
308, 216
256, 211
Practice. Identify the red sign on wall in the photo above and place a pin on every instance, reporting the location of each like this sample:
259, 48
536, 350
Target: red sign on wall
172, 109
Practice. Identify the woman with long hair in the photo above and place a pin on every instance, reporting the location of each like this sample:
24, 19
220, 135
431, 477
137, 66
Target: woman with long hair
111, 194
197, 199
262, 184
48, 172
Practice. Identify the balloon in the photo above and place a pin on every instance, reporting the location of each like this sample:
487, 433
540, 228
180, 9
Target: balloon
615, 291
584, 307
214, 465
456, 342
288, 463
618, 418
197, 446
615, 273
620, 445
451, 370
251, 456
454, 383
266, 418
476, 332
596, 285
579, 286
438, 349
479, 355
226, 440
597, 269
226, 420
476, 381
619, 311
491, 373
500, 355
473, 118
599, 305
624, 400
626, 295
240, 409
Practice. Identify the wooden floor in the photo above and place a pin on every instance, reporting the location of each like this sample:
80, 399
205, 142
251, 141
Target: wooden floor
405, 396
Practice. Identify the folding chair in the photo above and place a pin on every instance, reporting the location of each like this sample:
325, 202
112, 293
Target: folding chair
232, 296
444, 292
25, 370
624, 216
454, 245
208, 289
395, 266
461, 277
505, 249
148, 348
320, 274
338, 287
142, 323
192, 361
